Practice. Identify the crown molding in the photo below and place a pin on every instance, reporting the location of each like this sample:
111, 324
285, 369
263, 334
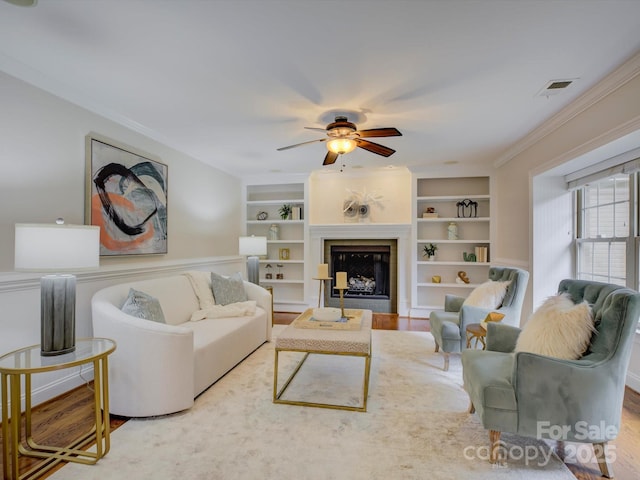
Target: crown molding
612, 82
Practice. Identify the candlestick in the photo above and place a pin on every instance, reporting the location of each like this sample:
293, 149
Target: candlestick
322, 280
341, 280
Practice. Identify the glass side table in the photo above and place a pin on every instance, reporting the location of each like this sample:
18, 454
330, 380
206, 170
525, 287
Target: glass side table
21, 364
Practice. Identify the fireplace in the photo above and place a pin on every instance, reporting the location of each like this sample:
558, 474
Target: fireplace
371, 267
367, 267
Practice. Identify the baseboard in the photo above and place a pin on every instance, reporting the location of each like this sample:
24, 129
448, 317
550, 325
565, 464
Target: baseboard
633, 381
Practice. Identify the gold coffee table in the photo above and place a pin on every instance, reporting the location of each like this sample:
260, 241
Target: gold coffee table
24, 363
326, 339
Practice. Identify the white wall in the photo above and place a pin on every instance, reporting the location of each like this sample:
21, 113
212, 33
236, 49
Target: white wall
328, 191
42, 158
552, 231
601, 120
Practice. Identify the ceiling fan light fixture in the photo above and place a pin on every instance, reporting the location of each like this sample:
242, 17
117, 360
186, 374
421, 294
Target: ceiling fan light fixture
341, 146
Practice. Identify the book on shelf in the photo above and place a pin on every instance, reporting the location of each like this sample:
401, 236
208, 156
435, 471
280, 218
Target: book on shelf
482, 254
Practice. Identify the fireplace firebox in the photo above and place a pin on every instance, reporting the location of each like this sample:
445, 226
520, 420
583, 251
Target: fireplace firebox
367, 267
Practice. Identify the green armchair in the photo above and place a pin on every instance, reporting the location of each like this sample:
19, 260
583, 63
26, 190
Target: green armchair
543, 397
449, 326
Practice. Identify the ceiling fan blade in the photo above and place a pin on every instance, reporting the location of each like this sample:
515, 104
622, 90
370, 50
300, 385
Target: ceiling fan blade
375, 147
330, 158
379, 132
316, 128
303, 143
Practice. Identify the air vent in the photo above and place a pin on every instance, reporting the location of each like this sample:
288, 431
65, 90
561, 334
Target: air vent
554, 87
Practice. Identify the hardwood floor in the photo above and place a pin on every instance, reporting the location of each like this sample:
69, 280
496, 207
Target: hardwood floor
60, 420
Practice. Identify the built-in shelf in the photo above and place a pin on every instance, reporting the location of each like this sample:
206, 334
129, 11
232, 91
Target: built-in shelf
261, 199
443, 195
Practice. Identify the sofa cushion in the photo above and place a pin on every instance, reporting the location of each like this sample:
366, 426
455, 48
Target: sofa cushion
558, 328
228, 290
143, 305
487, 295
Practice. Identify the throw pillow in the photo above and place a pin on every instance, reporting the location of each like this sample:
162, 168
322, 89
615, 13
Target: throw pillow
558, 328
487, 295
228, 290
201, 284
239, 309
143, 305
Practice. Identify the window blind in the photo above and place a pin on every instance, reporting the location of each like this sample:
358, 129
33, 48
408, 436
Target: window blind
625, 163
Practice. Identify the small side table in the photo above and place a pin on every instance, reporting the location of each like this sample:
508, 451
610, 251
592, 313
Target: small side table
24, 363
476, 331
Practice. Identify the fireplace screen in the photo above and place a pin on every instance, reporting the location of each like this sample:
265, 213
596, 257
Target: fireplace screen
367, 268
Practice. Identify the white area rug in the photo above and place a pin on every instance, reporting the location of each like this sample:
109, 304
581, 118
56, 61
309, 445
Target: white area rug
416, 426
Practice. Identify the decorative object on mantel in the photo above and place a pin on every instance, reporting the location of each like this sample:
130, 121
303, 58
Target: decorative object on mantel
285, 211
279, 275
436, 279
452, 231
430, 212
467, 208
462, 277
262, 216
350, 210
469, 257
429, 251
268, 268
359, 205
57, 248
274, 232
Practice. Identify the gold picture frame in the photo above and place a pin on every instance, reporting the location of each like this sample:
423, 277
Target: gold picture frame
284, 254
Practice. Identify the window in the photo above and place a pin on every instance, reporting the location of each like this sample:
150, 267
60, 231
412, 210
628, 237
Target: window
606, 234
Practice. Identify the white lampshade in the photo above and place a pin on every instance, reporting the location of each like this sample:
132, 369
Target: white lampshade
252, 245
341, 145
56, 247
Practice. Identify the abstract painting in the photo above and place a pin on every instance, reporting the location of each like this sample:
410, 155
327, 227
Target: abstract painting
126, 196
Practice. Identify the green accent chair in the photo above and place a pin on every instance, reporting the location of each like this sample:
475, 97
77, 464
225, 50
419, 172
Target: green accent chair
449, 326
543, 397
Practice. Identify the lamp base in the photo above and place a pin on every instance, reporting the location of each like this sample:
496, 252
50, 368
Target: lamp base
57, 314
253, 269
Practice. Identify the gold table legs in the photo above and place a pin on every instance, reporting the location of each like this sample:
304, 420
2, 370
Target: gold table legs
277, 395
13, 446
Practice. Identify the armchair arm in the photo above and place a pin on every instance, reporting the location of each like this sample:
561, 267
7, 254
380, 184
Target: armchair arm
501, 337
572, 394
453, 303
263, 300
148, 357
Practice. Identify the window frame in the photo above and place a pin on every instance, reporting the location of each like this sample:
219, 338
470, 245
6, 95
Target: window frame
632, 241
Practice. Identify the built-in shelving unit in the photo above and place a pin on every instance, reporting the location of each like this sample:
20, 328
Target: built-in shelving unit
286, 254
473, 230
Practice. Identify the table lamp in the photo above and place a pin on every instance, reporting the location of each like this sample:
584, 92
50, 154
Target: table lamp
57, 248
253, 246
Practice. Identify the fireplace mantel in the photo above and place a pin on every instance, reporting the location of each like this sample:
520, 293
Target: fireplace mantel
399, 231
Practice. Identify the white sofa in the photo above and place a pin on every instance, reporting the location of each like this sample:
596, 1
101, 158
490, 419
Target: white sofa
159, 368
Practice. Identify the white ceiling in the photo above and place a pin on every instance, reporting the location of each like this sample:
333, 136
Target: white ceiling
228, 82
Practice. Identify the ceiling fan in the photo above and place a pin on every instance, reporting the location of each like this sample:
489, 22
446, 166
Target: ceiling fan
343, 137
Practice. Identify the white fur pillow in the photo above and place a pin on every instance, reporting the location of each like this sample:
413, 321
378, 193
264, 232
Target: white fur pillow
558, 328
488, 295
238, 309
